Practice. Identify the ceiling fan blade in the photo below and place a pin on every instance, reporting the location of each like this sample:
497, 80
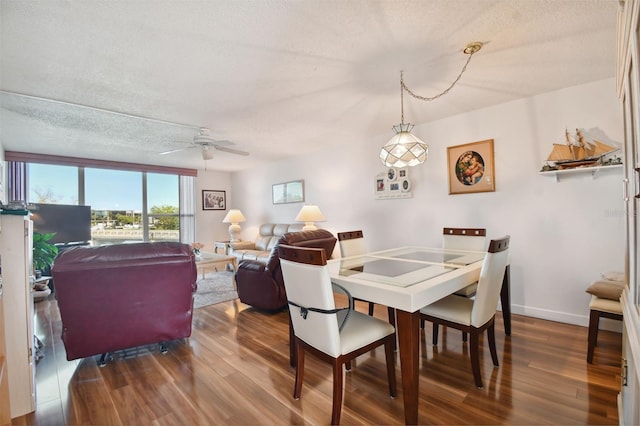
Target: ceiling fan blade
172, 151
206, 140
231, 150
175, 150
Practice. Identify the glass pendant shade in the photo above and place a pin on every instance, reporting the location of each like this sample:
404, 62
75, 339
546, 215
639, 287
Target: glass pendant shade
404, 149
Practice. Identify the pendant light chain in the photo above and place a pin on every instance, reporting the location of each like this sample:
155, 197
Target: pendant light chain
426, 98
405, 149
402, 98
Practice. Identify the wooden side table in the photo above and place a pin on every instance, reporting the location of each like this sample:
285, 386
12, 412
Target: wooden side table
222, 247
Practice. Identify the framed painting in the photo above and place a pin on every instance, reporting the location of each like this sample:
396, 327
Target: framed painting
471, 167
214, 200
288, 192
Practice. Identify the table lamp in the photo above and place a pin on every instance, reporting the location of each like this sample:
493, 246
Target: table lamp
309, 214
234, 216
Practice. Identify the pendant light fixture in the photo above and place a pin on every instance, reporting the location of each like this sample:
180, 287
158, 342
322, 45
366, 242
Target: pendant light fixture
404, 148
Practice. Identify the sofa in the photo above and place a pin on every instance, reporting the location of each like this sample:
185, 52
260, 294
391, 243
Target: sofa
259, 281
125, 295
260, 249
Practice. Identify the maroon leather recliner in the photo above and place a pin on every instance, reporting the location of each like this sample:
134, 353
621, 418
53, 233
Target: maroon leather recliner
125, 295
261, 285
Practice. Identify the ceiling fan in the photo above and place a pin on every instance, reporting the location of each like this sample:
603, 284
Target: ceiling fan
208, 144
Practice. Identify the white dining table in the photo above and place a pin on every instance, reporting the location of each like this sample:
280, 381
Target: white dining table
407, 279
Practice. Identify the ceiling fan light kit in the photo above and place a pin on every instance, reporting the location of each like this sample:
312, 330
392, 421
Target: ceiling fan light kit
207, 154
404, 148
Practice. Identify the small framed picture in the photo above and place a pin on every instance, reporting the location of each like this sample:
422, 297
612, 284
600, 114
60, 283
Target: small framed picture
214, 200
391, 174
405, 185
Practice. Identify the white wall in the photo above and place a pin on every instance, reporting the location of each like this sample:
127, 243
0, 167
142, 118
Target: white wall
3, 176
563, 234
209, 226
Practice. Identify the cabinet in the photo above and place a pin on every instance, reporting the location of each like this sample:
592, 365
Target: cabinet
16, 235
5, 417
628, 85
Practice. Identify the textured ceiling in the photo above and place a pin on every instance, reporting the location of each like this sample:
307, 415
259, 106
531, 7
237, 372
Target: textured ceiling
278, 78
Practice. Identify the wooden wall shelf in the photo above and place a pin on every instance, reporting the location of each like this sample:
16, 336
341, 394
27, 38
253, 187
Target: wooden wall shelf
583, 170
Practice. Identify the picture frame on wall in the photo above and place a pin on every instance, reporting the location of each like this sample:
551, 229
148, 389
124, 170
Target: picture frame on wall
288, 192
214, 200
393, 183
471, 167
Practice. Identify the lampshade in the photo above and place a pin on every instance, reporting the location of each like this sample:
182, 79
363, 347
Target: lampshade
309, 214
234, 216
404, 149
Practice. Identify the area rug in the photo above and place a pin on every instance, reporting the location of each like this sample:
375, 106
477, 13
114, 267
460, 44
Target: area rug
216, 287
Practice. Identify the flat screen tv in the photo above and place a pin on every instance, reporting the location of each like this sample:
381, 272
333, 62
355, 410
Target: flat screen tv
71, 224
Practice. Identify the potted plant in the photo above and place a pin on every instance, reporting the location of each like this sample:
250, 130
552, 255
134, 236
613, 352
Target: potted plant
43, 252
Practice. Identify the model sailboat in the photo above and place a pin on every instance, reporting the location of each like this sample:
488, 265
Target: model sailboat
577, 153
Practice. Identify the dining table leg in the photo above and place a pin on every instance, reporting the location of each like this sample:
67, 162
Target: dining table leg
407, 327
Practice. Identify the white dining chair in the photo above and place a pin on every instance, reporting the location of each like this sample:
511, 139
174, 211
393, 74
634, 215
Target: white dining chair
473, 316
473, 239
352, 243
335, 335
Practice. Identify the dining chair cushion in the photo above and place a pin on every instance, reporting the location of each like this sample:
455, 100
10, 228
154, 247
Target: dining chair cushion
605, 305
469, 291
452, 308
606, 289
360, 330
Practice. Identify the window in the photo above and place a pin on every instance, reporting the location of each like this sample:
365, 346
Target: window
115, 197
163, 207
50, 184
126, 205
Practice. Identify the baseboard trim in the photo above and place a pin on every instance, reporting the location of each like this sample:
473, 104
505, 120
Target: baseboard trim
564, 317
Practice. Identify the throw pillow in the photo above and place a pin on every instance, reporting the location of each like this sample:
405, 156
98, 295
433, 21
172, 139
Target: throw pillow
613, 276
606, 289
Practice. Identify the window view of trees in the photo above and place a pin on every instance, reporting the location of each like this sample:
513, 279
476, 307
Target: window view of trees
119, 213
166, 217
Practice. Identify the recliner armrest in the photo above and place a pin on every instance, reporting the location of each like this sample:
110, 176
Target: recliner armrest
243, 245
250, 265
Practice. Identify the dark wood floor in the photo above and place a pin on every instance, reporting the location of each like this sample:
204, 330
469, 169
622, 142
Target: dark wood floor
234, 370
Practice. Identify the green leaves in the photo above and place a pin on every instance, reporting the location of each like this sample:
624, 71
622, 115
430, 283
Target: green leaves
43, 251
